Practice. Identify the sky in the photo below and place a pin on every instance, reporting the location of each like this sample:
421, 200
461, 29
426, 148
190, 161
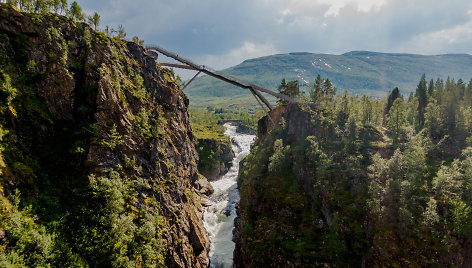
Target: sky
224, 33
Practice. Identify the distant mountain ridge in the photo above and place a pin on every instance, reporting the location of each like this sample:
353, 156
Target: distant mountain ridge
372, 73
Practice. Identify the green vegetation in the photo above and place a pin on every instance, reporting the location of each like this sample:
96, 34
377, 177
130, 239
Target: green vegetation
55, 210
211, 144
205, 125
355, 181
291, 89
74, 12
369, 73
213, 147
94, 20
46, 6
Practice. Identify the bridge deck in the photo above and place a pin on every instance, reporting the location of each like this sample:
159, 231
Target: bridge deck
255, 89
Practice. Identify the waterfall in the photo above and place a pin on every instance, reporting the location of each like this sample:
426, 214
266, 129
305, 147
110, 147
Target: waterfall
219, 216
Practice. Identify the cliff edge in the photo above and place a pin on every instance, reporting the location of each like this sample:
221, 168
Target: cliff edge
98, 165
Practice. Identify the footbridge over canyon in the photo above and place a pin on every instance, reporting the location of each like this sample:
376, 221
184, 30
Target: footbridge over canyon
256, 90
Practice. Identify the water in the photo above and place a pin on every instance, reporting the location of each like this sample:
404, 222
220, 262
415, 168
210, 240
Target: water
219, 216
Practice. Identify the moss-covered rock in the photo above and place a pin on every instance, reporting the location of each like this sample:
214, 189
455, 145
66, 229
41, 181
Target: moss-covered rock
97, 139
216, 157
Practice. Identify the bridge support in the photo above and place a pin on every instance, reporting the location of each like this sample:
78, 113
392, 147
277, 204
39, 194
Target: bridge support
190, 81
187, 64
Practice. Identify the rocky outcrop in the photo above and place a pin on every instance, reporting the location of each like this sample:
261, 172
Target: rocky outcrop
245, 130
88, 106
315, 191
215, 157
269, 213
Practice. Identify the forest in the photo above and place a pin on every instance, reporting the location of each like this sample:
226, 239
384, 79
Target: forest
353, 181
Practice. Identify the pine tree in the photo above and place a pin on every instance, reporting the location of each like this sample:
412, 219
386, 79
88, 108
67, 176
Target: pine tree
451, 111
342, 110
439, 88
317, 89
75, 12
391, 98
291, 89
330, 90
468, 95
434, 120
327, 87
94, 20
367, 110
396, 119
422, 102
460, 89
40, 6
431, 88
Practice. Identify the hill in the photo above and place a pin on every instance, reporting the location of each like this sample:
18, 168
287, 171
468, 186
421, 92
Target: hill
360, 72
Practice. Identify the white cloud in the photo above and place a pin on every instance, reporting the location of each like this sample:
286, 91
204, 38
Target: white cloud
235, 56
458, 37
332, 7
223, 33
361, 6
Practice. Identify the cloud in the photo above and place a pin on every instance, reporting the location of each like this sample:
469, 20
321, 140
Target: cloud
361, 5
223, 33
459, 38
235, 56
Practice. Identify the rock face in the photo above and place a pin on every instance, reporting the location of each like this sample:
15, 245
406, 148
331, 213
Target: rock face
245, 130
272, 207
318, 193
88, 106
215, 157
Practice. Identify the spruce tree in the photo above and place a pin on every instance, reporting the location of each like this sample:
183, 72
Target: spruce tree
396, 119
439, 87
291, 89
391, 98
422, 102
282, 87
431, 88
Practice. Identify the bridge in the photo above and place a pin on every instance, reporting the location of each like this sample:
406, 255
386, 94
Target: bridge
187, 64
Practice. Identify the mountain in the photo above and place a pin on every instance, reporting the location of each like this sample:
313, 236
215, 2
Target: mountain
98, 166
360, 72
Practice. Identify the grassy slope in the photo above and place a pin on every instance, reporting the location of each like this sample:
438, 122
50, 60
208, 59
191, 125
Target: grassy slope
360, 72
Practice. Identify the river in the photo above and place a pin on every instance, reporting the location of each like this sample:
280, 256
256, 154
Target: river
219, 216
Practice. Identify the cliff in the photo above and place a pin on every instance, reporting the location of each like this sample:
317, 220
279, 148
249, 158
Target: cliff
97, 159
215, 157
321, 188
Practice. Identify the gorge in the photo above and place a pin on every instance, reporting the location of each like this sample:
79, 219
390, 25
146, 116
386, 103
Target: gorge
103, 163
220, 215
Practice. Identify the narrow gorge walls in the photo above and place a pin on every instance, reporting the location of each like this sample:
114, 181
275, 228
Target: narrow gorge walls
96, 152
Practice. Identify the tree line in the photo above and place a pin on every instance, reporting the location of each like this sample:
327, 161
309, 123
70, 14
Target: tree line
60, 7
440, 108
376, 180
73, 11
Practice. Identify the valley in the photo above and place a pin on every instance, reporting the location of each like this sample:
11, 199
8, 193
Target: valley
364, 159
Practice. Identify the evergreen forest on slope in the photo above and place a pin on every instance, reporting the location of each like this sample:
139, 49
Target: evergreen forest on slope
347, 180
